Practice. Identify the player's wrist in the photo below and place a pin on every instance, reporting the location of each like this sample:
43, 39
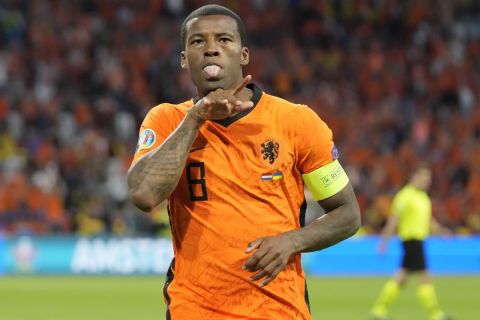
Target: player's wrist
295, 245
194, 114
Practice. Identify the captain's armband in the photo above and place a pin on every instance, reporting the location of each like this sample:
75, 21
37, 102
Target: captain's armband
326, 181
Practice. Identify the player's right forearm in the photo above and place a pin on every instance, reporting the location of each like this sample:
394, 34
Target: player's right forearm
154, 177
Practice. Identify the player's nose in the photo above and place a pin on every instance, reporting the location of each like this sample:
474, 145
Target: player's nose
211, 49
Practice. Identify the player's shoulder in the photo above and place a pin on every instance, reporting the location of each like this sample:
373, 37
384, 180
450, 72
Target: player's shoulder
169, 112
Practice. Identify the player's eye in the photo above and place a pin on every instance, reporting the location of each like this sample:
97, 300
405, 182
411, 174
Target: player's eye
224, 40
196, 41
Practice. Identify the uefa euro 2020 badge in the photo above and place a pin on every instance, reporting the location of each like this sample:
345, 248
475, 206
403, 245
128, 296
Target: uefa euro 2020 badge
146, 139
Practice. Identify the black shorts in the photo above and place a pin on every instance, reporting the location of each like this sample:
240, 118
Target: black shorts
413, 255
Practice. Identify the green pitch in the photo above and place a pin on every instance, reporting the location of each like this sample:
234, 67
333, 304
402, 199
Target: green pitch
116, 298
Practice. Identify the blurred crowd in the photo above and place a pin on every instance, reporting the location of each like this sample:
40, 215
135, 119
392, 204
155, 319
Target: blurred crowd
397, 81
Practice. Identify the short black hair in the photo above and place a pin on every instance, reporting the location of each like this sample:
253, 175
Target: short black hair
214, 9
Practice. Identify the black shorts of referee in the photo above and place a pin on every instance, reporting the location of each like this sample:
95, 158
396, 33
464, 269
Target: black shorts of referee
413, 256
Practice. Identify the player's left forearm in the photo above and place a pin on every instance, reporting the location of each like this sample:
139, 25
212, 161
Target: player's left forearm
326, 231
341, 221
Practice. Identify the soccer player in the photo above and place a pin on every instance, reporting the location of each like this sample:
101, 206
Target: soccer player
411, 211
233, 162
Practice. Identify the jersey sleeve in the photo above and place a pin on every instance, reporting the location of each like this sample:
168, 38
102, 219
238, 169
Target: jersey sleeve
158, 124
314, 145
317, 156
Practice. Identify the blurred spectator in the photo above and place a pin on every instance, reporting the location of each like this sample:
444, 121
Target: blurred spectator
398, 81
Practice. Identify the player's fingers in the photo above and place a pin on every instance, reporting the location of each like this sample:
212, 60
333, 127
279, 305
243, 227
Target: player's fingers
253, 263
207, 102
269, 271
269, 261
228, 105
242, 106
260, 275
245, 81
271, 277
220, 108
254, 245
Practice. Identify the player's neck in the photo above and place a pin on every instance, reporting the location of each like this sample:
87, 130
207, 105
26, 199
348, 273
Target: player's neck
245, 94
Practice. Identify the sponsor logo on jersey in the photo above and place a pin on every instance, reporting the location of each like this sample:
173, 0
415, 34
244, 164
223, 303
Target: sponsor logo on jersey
147, 139
270, 149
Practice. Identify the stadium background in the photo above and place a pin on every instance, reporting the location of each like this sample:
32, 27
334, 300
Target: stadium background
397, 81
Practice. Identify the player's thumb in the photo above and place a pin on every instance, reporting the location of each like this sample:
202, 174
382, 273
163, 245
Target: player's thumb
253, 245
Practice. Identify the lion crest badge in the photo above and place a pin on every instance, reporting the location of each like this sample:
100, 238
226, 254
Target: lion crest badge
270, 149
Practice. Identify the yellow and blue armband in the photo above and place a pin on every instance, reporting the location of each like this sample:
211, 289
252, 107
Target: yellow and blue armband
326, 181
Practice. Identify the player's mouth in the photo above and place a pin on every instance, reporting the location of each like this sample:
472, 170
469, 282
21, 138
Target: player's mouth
212, 71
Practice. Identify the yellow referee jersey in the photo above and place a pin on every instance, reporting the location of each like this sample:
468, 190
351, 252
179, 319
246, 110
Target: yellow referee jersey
414, 209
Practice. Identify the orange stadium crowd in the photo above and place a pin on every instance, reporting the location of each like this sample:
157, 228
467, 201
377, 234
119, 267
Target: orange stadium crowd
397, 81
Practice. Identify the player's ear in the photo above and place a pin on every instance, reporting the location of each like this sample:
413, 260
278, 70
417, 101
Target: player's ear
183, 60
245, 56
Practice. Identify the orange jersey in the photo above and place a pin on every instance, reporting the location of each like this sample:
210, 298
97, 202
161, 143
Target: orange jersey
242, 180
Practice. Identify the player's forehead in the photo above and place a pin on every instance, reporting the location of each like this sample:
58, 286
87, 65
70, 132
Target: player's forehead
215, 24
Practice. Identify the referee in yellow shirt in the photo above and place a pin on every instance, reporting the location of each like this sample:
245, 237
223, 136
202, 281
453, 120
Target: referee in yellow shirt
412, 212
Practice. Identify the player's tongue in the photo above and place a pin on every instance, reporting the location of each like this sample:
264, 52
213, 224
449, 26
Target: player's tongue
212, 71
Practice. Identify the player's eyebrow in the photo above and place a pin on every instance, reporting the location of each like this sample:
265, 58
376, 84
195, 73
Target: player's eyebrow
198, 34
219, 34
228, 34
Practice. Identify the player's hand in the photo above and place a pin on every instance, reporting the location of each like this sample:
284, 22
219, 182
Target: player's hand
271, 256
221, 104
